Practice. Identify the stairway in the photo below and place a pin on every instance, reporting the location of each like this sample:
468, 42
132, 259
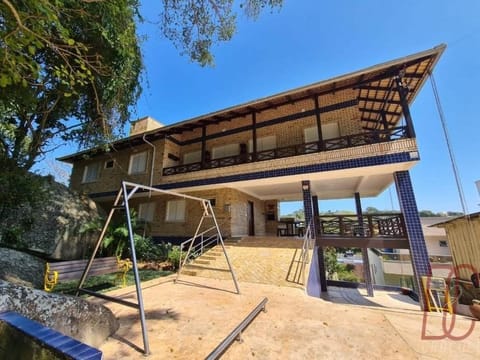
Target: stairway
210, 261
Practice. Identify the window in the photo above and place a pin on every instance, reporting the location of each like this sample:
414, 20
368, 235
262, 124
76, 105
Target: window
263, 143
329, 131
192, 157
109, 164
138, 163
225, 151
146, 211
311, 134
442, 243
213, 202
91, 172
175, 211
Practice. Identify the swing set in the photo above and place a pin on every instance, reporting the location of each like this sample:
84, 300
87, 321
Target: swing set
121, 203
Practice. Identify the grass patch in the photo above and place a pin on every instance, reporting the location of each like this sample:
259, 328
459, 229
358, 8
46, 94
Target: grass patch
104, 283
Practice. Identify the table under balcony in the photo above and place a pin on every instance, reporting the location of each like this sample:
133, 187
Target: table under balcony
365, 138
380, 230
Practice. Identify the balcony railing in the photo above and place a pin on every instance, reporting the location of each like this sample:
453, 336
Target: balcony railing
373, 225
342, 142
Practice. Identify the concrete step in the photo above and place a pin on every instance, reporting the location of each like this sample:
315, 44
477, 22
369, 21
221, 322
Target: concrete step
189, 272
201, 261
207, 257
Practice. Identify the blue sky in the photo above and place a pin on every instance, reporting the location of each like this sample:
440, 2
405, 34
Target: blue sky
310, 40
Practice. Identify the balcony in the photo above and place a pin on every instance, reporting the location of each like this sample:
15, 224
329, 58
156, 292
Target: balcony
381, 230
366, 138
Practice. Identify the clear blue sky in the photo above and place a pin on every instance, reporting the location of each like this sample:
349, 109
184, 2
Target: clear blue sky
312, 40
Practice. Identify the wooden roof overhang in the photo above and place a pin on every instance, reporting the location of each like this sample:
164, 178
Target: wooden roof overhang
375, 88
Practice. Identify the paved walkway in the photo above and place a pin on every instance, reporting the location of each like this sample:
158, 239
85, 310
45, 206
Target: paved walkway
263, 260
187, 320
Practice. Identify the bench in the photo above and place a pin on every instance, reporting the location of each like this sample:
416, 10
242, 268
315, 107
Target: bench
73, 270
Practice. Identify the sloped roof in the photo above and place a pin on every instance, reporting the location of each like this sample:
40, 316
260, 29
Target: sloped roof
374, 94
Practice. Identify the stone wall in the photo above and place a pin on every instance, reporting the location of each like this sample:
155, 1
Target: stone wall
55, 226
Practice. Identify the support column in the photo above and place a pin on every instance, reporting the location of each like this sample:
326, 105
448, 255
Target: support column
204, 146
418, 249
321, 258
319, 124
367, 275
402, 92
254, 136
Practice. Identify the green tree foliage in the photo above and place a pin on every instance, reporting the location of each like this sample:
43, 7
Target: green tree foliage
69, 68
195, 25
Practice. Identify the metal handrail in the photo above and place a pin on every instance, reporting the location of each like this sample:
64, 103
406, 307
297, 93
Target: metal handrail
204, 243
236, 333
304, 255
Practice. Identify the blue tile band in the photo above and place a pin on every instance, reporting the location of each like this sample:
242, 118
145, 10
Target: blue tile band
65, 345
296, 170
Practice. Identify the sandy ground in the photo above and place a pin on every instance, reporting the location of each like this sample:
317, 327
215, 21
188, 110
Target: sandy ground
188, 319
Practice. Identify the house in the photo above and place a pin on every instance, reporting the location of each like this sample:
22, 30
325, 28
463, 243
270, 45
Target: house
463, 234
347, 137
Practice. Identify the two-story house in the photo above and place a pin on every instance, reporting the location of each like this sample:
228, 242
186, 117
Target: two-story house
351, 136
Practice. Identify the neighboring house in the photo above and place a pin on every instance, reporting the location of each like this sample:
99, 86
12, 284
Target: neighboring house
350, 136
463, 234
395, 267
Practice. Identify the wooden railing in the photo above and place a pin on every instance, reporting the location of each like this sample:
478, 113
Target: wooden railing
373, 225
342, 142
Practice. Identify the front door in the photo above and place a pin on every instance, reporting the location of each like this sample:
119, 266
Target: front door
250, 219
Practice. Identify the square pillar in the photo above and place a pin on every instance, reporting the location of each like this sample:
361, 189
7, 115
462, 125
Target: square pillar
367, 275
413, 227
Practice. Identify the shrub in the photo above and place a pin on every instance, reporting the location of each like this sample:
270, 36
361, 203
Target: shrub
174, 256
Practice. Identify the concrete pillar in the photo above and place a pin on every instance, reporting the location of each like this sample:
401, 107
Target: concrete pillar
418, 249
367, 275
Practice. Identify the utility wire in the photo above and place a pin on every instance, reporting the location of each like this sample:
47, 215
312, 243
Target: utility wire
449, 146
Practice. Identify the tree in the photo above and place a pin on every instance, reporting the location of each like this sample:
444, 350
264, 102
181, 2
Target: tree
195, 25
69, 68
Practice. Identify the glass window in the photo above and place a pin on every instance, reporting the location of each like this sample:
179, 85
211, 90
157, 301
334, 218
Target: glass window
192, 157
329, 131
146, 211
138, 163
263, 143
91, 172
225, 151
175, 211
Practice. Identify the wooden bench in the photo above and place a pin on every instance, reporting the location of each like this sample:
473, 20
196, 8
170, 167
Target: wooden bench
56, 272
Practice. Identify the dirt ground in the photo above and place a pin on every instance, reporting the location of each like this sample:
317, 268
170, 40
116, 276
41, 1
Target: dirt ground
188, 319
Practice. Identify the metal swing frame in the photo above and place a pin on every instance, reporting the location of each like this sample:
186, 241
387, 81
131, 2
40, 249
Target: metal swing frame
127, 190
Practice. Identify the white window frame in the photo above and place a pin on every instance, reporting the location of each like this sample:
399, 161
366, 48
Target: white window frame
192, 157
86, 177
175, 211
146, 211
223, 151
133, 157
